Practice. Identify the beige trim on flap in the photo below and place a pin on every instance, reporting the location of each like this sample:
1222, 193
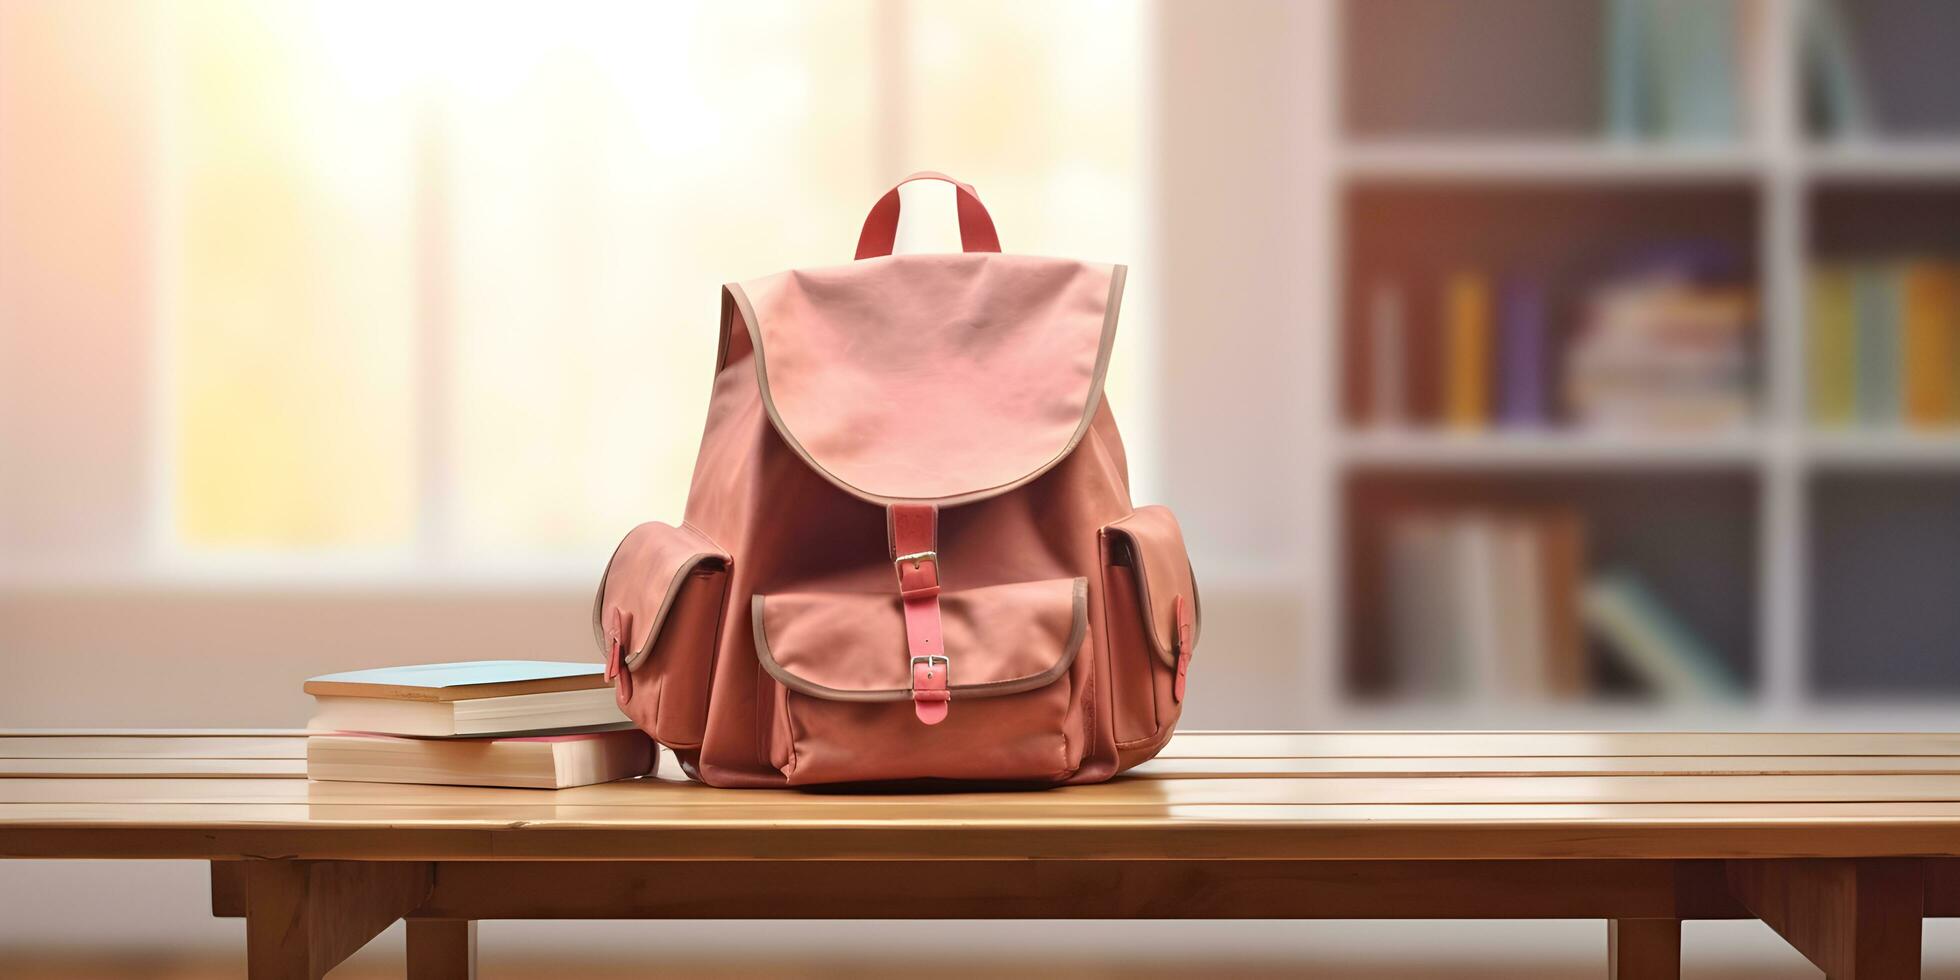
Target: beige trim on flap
1112, 307
687, 567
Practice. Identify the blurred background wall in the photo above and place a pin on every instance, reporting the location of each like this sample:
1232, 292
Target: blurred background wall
1518, 363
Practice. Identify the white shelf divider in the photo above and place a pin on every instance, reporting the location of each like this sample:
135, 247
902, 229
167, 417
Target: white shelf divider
1908, 161
1549, 450
1545, 160
1782, 573
1881, 450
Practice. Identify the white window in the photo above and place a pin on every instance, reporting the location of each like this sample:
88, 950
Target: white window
437, 289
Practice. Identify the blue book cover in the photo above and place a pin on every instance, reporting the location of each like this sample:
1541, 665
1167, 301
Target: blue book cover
1654, 644
1627, 83
1695, 46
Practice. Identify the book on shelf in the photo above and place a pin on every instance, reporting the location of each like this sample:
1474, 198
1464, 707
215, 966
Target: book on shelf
1387, 356
1696, 53
1926, 309
1627, 111
1879, 69
1662, 351
1833, 316
1654, 644
1484, 604
1884, 341
525, 762
1834, 87
1670, 69
1875, 292
1520, 623
1561, 540
1466, 351
1476, 612
1524, 338
484, 697
1422, 661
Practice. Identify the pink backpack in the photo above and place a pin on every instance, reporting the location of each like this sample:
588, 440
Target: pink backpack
909, 552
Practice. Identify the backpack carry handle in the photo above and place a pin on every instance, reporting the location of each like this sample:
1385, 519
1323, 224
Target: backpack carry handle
881, 225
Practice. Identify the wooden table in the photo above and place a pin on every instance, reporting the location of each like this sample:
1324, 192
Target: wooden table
1840, 842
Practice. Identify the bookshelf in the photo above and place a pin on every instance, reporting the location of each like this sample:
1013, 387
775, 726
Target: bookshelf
1816, 562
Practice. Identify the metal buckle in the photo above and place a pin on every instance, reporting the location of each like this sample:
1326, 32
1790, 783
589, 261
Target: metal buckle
917, 560
928, 660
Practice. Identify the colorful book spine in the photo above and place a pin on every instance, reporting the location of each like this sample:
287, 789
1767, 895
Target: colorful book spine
1466, 352
1876, 295
1833, 71
1422, 635
1562, 566
1696, 47
1387, 357
1626, 69
1522, 400
1833, 353
1927, 354
1654, 645
1478, 620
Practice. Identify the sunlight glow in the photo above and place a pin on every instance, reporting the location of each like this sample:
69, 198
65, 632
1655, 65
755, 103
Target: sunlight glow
448, 273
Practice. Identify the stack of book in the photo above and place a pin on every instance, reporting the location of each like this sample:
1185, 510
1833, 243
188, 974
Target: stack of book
519, 723
1662, 352
1885, 343
1497, 605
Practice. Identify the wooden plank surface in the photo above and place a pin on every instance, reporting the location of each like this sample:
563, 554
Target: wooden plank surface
181, 768
282, 746
1529, 794
1190, 767
1212, 834
195, 766
1617, 788
289, 743
1268, 744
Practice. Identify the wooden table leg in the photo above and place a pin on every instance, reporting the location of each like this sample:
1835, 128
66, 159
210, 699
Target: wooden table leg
1855, 919
228, 889
1643, 949
441, 949
303, 917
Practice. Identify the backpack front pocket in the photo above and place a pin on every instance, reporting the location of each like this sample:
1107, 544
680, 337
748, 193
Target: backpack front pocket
1151, 615
845, 712
656, 619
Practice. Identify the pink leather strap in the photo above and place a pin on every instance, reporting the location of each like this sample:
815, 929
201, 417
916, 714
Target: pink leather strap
616, 671
913, 530
1181, 619
881, 225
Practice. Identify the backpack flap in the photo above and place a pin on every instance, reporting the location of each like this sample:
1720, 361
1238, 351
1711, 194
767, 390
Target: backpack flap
1150, 542
940, 379
643, 584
